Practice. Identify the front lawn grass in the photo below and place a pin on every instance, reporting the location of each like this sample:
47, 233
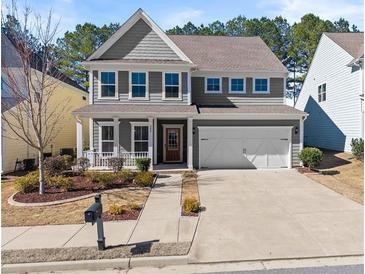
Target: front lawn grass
341, 172
189, 189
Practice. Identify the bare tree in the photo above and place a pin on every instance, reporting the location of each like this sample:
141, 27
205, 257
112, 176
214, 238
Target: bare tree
31, 86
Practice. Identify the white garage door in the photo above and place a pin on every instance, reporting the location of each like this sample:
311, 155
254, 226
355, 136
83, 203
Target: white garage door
244, 147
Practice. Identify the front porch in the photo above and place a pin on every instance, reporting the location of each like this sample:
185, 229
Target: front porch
166, 141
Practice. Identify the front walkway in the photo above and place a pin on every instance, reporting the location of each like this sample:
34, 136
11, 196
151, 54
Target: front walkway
270, 214
160, 221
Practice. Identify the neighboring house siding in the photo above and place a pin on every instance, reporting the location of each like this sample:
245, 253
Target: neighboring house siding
140, 42
155, 87
333, 123
199, 96
294, 123
66, 137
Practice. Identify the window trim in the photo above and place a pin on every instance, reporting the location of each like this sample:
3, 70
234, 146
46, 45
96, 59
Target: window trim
116, 96
164, 86
138, 124
212, 91
100, 125
237, 92
254, 91
147, 95
321, 84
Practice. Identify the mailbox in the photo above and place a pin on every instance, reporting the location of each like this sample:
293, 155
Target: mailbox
93, 212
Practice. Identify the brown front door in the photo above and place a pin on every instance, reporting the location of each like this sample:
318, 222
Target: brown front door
172, 145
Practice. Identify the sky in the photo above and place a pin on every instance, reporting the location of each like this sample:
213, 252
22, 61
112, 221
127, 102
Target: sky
168, 14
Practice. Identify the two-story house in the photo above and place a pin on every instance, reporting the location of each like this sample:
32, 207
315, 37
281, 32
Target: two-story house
207, 101
333, 92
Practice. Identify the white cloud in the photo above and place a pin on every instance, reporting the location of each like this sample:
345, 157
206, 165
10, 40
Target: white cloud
181, 17
332, 10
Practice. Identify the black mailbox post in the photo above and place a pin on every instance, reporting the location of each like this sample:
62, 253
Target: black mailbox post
92, 215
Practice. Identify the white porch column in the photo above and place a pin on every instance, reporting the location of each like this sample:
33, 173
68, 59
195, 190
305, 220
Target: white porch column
79, 137
155, 141
190, 143
116, 136
150, 140
301, 133
189, 88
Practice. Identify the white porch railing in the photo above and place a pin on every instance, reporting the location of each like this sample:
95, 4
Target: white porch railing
100, 159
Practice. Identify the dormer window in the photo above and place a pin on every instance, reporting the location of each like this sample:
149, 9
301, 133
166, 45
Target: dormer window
108, 87
261, 86
138, 85
213, 85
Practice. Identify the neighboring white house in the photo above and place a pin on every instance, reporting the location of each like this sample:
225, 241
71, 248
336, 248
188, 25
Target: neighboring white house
333, 92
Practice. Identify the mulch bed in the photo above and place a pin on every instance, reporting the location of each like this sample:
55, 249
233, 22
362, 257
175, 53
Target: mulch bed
189, 214
128, 215
151, 248
305, 170
82, 186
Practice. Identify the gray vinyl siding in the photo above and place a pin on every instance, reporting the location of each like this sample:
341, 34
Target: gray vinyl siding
124, 132
160, 137
155, 86
140, 42
294, 123
199, 96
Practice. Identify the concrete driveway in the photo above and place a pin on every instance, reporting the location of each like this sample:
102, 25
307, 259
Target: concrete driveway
269, 214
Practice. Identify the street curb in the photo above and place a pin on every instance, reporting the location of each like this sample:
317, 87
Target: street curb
66, 265
124, 263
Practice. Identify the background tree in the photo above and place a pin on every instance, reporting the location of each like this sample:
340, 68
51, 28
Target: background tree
31, 86
76, 46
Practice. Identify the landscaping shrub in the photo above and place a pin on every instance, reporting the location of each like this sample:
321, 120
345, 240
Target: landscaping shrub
106, 179
61, 182
311, 156
134, 206
93, 176
189, 174
144, 179
126, 175
143, 164
116, 164
191, 205
58, 164
116, 209
357, 147
28, 183
83, 163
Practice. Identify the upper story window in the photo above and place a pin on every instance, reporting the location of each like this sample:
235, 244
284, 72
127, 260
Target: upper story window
108, 85
261, 85
138, 85
213, 85
322, 92
236, 85
172, 86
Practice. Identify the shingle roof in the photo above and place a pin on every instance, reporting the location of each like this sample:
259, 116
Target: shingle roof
254, 109
135, 108
352, 42
228, 53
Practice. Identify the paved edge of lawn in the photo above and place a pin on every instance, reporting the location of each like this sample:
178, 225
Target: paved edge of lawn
164, 261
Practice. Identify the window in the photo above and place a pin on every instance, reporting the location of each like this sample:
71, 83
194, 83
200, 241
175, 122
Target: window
322, 93
139, 137
213, 85
107, 138
237, 85
107, 85
138, 85
261, 85
172, 85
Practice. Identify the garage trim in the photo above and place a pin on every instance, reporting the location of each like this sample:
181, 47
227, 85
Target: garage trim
289, 128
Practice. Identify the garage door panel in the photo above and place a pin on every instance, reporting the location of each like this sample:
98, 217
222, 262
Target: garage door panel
244, 147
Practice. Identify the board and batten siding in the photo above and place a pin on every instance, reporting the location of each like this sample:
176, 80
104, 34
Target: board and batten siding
222, 123
140, 42
199, 97
155, 87
333, 123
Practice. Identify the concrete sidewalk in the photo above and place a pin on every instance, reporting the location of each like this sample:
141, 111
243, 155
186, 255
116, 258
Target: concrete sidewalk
160, 221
